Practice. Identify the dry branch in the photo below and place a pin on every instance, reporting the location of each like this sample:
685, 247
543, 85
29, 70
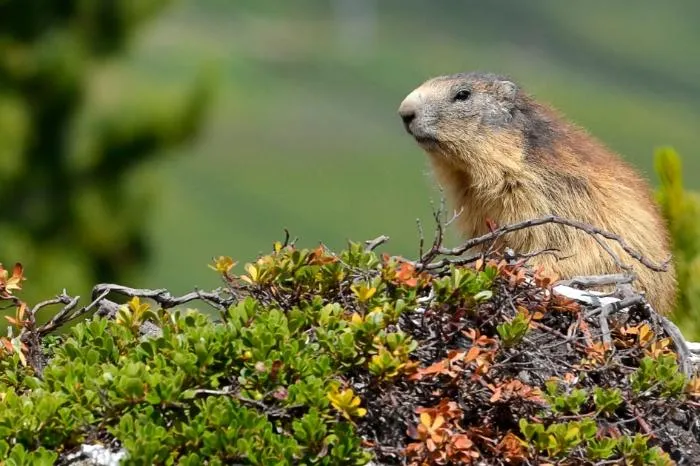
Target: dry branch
164, 298
597, 280
371, 245
425, 262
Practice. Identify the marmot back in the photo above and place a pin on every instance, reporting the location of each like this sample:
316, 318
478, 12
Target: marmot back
503, 156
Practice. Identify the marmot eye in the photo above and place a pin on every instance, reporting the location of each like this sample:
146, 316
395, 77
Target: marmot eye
462, 95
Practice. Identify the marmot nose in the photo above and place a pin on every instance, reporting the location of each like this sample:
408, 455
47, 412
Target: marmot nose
407, 112
408, 109
407, 115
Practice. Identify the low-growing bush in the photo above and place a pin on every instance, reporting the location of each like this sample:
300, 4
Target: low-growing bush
334, 359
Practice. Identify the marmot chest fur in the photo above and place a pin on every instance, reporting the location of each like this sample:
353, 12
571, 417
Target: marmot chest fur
501, 155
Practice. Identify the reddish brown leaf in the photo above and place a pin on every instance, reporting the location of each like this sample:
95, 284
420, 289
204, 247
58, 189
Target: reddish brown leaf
406, 274
473, 353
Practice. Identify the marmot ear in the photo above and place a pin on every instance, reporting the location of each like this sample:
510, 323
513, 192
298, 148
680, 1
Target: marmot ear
506, 90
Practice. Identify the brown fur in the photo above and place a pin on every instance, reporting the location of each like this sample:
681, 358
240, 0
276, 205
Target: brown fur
489, 173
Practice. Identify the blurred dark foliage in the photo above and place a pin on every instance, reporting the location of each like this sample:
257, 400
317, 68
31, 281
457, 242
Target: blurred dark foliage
68, 207
681, 209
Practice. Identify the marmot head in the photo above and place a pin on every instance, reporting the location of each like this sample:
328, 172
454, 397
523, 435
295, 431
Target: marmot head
464, 115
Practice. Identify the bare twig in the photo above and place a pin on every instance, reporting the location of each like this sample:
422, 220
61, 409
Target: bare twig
604, 328
616, 306
595, 232
163, 296
679, 341
434, 250
591, 281
542, 252
421, 236
371, 245
612, 254
440, 210
63, 298
603, 312
228, 391
444, 262
447, 261
63, 316
105, 307
455, 216
643, 424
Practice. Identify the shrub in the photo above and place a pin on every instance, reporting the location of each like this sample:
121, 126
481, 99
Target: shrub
323, 358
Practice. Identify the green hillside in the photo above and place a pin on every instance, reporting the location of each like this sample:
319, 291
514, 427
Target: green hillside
304, 134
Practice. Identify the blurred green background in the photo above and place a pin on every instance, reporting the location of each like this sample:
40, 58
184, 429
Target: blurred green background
301, 130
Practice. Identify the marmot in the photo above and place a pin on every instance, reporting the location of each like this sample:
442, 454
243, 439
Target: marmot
503, 156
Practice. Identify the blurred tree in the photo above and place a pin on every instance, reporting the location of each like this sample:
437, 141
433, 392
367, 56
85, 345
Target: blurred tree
70, 209
682, 211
